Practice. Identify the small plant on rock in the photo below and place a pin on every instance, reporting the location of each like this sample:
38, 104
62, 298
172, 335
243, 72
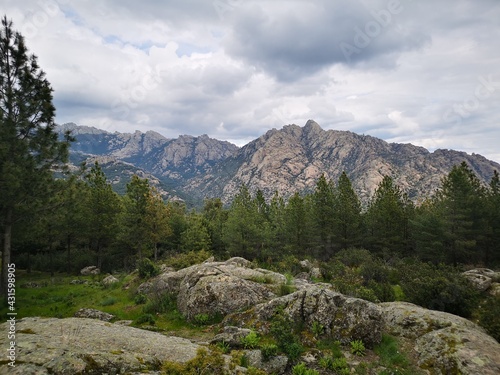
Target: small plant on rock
358, 348
301, 369
250, 341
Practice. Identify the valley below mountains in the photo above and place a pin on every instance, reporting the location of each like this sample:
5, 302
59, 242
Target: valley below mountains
287, 160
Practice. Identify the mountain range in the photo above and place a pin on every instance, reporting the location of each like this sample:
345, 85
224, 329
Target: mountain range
287, 160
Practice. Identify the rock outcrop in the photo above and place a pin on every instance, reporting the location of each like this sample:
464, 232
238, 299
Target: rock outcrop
90, 270
342, 318
94, 314
444, 343
85, 346
482, 278
216, 288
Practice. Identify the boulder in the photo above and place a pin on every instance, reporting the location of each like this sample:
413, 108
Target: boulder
86, 346
216, 288
90, 270
458, 350
93, 314
231, 335
343, 318
481, 278
212, 292
412, 321
274, 365
444, 343
108, 280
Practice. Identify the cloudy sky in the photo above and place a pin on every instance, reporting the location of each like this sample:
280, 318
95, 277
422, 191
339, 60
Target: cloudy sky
425, 72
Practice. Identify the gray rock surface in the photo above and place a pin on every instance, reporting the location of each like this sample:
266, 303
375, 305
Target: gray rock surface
481, 278
343, 318
108, 280
74, 346
216, 287
90, 270
93, 314
274, 365
444, 343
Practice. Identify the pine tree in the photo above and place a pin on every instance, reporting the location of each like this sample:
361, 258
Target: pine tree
460, 201
323, 200
347, 214
215, 216
297, 225
134, 226
104, 207
29, 146
157, 220
388, 219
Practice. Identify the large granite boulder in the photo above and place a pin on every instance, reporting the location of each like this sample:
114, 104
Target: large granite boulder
216, 288
343, 318
87, 346
444, 343
90, 270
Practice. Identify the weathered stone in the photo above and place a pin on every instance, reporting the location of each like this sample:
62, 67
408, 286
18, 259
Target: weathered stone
209, 292
79, 282
458, 350
85, 346
481, 278
90, 270
274, 365
412, 321
216, 287
445, 343
231, 335
343, 318
93, 314
108, 280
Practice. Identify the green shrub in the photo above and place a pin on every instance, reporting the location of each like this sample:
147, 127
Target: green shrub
201, 319
183, 260
250, 341
206, 362
268, 351
109, 301
223, 346
145, 318
147, 268
440, 288
140, 299
353, 257
389, 353
301, 369
357, 347
317, 329
282, 330
489, 317
161, 303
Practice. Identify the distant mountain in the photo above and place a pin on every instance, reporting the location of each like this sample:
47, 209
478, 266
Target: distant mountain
287, 160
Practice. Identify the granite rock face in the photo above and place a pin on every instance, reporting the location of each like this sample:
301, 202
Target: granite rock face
86, 346
342, 318
216, 288
287, 160
444, 343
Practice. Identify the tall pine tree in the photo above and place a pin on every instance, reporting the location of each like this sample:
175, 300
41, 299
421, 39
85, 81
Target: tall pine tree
29, 146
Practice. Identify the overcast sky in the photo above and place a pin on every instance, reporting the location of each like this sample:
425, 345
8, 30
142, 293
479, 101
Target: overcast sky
422, 72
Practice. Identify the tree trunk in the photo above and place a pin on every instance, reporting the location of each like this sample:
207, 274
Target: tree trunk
6, 252
68, 247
